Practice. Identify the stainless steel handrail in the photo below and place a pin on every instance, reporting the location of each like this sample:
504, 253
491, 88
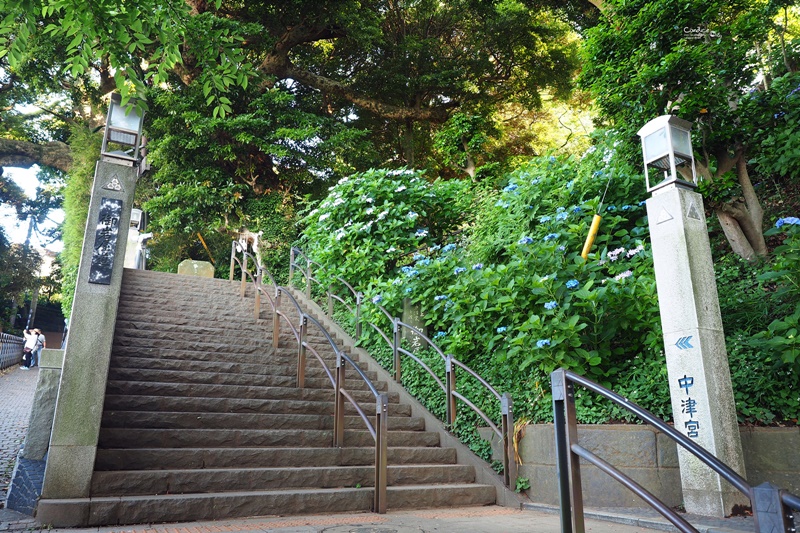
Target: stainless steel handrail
378, 430
772, 516
448, 386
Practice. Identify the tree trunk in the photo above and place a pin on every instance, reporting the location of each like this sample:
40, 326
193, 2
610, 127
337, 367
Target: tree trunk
24, 154
742, 218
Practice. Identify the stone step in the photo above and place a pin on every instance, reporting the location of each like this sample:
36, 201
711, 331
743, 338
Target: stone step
115, 402
248, 438
187, 346
183, 365
205, 420
190, 390
186, 458
150, 482
287, 380
193, 507
129, 325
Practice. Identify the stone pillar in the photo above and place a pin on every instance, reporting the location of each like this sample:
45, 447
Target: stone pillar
44, 404
697, 362
79, 405
412, 315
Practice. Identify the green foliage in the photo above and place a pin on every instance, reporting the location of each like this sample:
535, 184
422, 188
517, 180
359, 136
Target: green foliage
19, 265
370, 221
522, 484
776, 116
77, 192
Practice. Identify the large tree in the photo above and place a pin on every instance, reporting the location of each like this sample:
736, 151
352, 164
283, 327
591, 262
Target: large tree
698, 59
401, 62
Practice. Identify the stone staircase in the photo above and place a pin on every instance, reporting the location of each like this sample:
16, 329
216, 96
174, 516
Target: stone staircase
203, 420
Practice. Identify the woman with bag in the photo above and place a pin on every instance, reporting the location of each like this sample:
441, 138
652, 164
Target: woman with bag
31, 340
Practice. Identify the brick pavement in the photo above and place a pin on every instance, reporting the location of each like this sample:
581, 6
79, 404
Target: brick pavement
16, 398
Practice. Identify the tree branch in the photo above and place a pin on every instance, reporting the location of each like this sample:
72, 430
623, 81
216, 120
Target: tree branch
24, 154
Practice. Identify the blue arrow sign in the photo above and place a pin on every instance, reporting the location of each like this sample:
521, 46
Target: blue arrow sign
683, 343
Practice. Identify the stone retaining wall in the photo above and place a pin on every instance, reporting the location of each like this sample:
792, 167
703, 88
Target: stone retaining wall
650, 458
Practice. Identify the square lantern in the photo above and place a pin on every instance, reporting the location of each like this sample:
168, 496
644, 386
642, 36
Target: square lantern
667, 146
123, 135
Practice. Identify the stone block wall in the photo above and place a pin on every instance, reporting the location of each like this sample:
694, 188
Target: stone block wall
649, 458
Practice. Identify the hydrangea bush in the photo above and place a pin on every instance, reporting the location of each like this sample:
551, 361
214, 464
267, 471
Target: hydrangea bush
371, 222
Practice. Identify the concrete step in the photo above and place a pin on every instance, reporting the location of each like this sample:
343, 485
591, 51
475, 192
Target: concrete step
149, 482
115, 402
205, 420
186, 458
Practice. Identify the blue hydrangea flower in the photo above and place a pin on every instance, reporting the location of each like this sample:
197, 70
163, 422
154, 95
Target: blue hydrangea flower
571, 284
511, 187
525, 240
577, 210
477, 266
439, 298
459, 270
551, 236
417, 257
544, 219
439, 335
535, 182
501, 203
541, 343
551, 305
405, 269
611, 208
627, 207
408, 290
448, 248
421, 233
377, 299
501, 329
787, 220
425, 262
561, 216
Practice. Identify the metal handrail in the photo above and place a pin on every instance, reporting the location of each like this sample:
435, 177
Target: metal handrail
379, 429
770, 508
506, 434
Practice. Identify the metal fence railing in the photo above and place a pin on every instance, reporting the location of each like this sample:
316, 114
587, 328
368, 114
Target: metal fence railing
299, 324
353, 301
10, 350
772, 507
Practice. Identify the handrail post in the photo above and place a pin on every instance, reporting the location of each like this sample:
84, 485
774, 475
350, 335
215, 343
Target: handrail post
769, 512
330, 301
338, 406
276, 321
244, 277
257, 308
381, 445
308, 278
398, 377
450, 388
567, 463
301, 353
291, 265
509, 458
233, 260
359, 296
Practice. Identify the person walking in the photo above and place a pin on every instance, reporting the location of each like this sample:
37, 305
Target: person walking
41, 343
31, 339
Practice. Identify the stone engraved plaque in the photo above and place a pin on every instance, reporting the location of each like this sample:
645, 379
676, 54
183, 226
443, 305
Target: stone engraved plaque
105, 241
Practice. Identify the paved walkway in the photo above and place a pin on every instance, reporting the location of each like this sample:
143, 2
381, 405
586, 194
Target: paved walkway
16, 396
